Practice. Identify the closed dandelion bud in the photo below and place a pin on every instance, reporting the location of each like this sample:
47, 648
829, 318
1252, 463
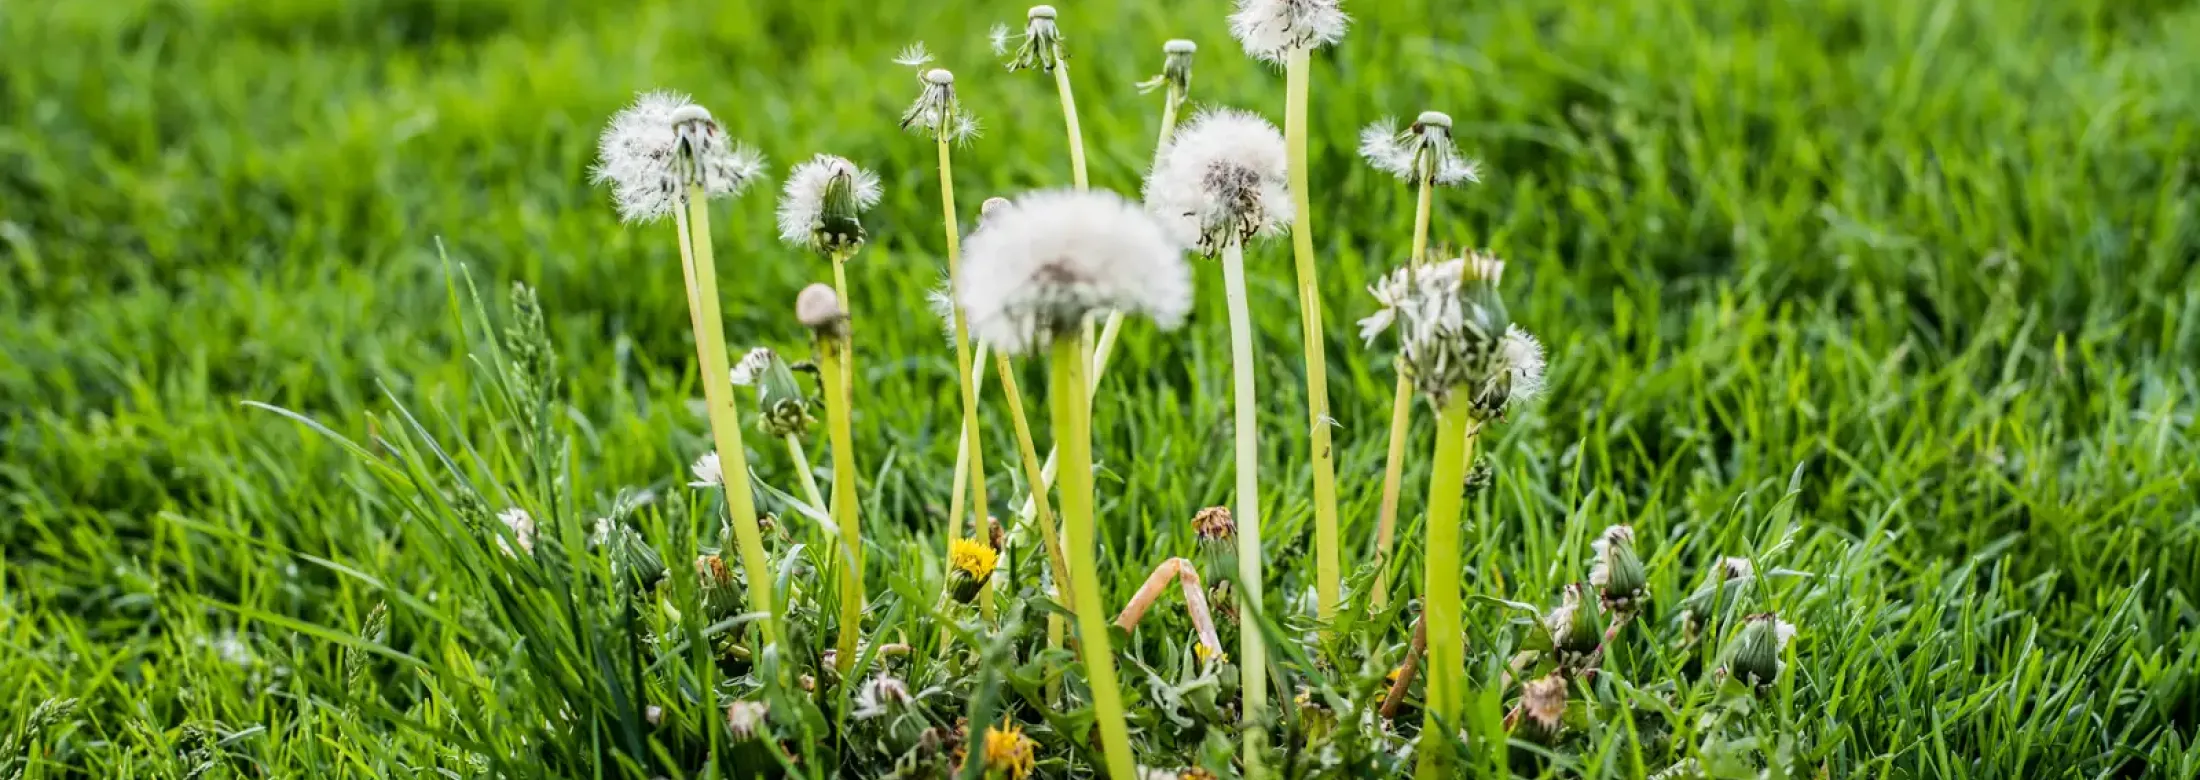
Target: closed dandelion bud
1541, 714
1754, 658
1040, 46
1176, 68
1617, 573
970, 564
1573, 625
721, 596
784, 409
818, 308
747, 720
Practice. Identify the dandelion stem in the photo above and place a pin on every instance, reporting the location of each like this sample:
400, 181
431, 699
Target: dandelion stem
1044, 515
1073, 431
1252, 649
725, 419
830, 364
802, 469
963, 363
1327, 569
1069, 121
847, 337
1401, 420
1455, 440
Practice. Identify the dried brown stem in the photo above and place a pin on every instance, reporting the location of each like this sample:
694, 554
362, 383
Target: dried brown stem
1406, 671
1195, 601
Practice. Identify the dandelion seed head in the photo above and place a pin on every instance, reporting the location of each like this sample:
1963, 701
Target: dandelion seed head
1450, 324
1048, 260
1222, 178
653, 150
1421, 150
1271, 30
809, 215
522, 526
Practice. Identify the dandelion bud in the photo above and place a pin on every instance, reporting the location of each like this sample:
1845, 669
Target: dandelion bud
970, 564
1221, 180
663, 148
1176, 68
822, 206
1617, 572
1754, 658
818, 308
1573, 626
1272, 29
1039, 47
1047, 262
1541, 714
714, 579
784, 409
1420, 153
746, 720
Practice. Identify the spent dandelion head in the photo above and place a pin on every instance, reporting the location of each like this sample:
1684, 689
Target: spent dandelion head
818, 308
822, 207
970, 563
1040, 45
654, 151
1451, 326
1540, 716
1423, 151
1050, 259
1271, 30
1214, 526
1222, 179
936, 113
1176, 68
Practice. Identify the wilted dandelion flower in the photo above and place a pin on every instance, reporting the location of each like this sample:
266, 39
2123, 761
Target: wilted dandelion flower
1423, 150
1271, 29
970, 564
522, 526
655, 149
1039, 47
1050, 259
1176, 67
823, 204
936, 112
1450, 323
1222, 179
1009, 752
706, 471
1542, 710
879, 696
1755, 655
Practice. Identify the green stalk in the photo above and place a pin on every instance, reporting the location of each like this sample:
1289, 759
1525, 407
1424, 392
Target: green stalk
847, 337
1401, 420
1069, 120
948, 221
802, 468
725, 417
831, 363
961, 484
1447, 642
1252, 649
1073, 432
1030, 453
1328, 574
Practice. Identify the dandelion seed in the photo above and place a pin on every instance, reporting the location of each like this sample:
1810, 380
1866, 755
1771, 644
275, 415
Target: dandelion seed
936, 112
1039, 47
823, 204
1222, 178
914, 55
522, 526
1050, 259
1421, 151
1271, 30
656, 149
706, 471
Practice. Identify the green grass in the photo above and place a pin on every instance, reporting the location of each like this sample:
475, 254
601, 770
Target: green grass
1896, 298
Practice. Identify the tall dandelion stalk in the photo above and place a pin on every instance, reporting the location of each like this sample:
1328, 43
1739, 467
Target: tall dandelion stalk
1038, 270
1457, 346
665, 156
1287, 32
936, 113
820, 310
1219, 183
1423, 155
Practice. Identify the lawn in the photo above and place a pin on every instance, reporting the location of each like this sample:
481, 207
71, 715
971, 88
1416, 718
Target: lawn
1897, 300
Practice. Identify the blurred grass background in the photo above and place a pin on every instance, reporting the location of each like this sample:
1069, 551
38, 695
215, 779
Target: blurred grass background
1934, 261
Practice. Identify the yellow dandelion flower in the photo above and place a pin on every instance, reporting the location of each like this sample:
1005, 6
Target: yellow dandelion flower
1207, 654
970, 563
1007, 750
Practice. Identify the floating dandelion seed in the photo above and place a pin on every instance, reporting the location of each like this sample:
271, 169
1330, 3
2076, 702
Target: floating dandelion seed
706, 471
1050, 259
1039, 47
1271, 29
1222, 178
823, 204
914, 55
656, 148
1422, 151
936, 112
522, 526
